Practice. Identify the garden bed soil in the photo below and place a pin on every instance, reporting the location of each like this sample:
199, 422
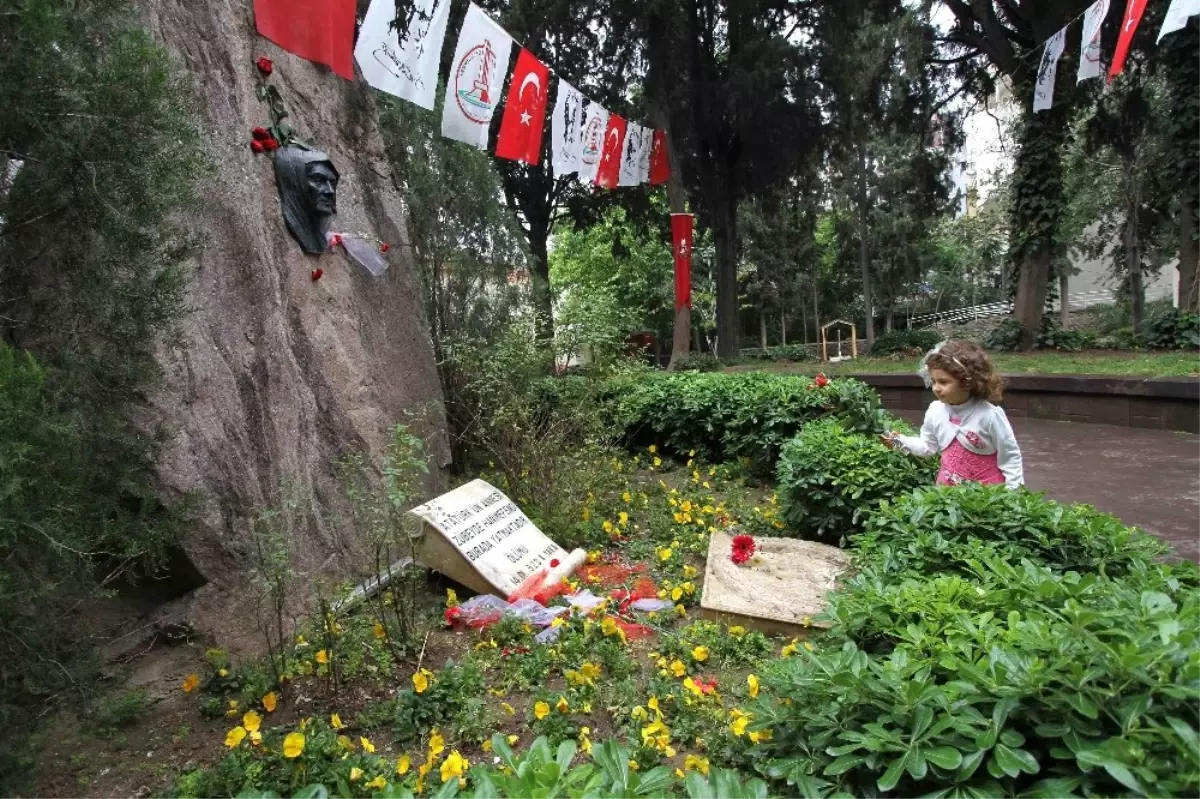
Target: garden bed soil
784, 585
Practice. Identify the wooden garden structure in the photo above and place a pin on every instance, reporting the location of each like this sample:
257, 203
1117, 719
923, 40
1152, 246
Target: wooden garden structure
839, 324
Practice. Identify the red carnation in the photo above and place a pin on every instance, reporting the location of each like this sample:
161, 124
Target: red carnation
264, 65
821, 380
316, 274
335, 240
706, 685
554, 563
384, 247
270, 145
452, 614
743, 549
260, 134
256, 146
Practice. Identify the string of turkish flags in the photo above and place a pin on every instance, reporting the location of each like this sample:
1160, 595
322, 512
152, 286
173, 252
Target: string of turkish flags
1178, 13
601, 147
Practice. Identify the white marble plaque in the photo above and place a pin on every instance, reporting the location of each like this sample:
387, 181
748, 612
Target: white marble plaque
491, 533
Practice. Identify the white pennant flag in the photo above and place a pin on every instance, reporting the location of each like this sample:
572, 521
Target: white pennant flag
476, 76
595, 120
1177, 16
1089, 45
1043, 95
407, 69
636, 141
566, 131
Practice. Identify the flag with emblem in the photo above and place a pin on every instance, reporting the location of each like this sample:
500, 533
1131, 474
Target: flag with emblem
608, 171
1043, 94
408, 67
633, 157
660, 164
1133, 15
524, 111
566, 131
595, 123
681, 244
1177, 16
318, 30
1089, 43
476, 77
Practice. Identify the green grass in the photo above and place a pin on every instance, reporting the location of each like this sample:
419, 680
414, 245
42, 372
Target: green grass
1123, 364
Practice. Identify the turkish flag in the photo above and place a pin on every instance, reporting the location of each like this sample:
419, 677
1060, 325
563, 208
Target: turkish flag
609, 171
681, 245
525, 112
660, 165
319, 30
1133, 15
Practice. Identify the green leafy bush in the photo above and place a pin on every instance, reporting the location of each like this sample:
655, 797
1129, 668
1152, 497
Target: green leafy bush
1051, 335
1005, 337
734, 415
906, 341
830, 478
1024, 681
939, 530
698, 362
1172, 329
782, 352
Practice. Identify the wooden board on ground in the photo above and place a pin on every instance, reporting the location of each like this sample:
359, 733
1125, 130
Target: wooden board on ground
478, 537
786, 582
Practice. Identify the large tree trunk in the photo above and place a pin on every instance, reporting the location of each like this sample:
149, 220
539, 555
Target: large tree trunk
864, 250
782, 328
1064, 307
729, 327
1189, 253
1133, 265
762, 327
543, 300
677, 202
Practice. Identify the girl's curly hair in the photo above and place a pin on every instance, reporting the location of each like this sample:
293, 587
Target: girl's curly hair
968, 364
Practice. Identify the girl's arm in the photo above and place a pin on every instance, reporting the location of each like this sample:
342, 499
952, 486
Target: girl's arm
926, 442
1008, 452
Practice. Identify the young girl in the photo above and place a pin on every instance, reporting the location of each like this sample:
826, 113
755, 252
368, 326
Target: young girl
973, 435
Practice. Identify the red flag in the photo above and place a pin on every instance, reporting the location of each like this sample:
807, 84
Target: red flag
1133, 15
319, 30
525, 112
609, 170
660, 165
681, 245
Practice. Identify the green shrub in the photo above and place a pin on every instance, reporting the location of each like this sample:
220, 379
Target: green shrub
698, 362
938, 530
1172, 329
830, 478
782, 352
1051, 335
734, 415
1024, 681
906, 341
1005, 337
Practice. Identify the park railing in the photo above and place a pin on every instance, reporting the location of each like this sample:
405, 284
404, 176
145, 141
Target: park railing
1076, 301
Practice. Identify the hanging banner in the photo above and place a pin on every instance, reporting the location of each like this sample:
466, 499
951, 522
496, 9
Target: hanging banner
476, 76
525, 111
608, 171
1089, 44
660, 164
317, 30
1177, 16
1133, 15
637, 140
1043, 94
566, 130
595, 122
643, 164
681, 245
406, 68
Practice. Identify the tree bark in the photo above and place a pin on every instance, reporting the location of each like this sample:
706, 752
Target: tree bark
864, 250
816, 309
1064, 307
762, 326
782, 328
1133, 265
677, 201
729, 333
1189, 253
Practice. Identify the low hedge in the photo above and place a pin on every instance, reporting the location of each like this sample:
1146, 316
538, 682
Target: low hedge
830, 478
726, 416
994, 643
906, 341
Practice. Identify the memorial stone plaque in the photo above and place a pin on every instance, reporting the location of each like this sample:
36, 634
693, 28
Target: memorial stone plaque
475, 531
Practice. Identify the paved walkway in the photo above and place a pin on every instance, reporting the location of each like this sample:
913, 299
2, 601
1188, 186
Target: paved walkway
1148, 478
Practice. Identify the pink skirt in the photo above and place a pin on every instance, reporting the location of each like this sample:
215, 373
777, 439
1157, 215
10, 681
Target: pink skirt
960, 465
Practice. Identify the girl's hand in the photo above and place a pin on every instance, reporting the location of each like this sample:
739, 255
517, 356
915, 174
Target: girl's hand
888, 439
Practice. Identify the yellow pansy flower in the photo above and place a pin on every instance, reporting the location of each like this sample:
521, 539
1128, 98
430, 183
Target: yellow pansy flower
403, 764
680, 610
509, 709
677, 668
562, 705
639, 713
788, 650
626, 497
451, 597
752, 681
622, 518
190, 683
252, 721
437, 744
455, 766
664, 554
737, 631
760, 735
355, 774
421, 680
379, 631
293, 745
270, 701
696, 763
657, 461
676, 593
322, 656
335, 721
366, 745
689, 572
700, 654
377, 784
235, 737
512, 739
738, 722
541, 710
